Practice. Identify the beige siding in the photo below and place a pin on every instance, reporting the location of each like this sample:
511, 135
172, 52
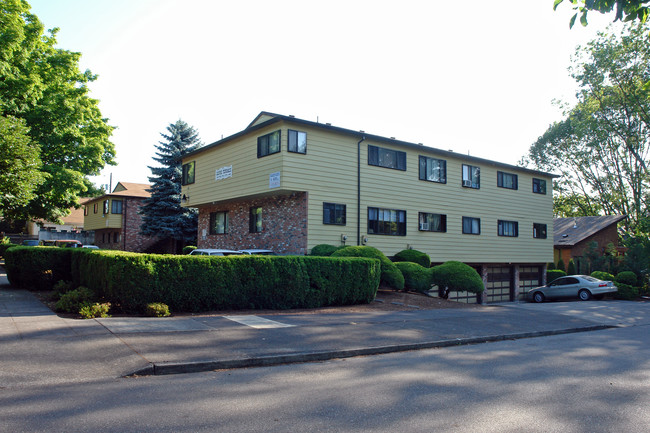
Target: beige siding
97, 221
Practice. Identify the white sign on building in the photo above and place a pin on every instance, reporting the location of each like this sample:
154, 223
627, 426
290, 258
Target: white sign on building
223, 173
274, 180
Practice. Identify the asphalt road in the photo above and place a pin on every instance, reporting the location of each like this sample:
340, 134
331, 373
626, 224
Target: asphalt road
585, 382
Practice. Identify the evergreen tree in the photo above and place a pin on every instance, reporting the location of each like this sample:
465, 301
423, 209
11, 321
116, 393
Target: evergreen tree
162, 214
571, 268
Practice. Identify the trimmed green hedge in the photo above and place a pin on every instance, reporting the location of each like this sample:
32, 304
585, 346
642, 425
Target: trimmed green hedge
324, 250
199, 283
38, 268
626, 277
554, 274
390, 275
414, 256
601, 275
626, 292
454, 276
416, 278
5, 247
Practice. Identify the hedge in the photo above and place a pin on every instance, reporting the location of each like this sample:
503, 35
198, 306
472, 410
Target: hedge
626, 292
626, 277
324, 250
458, 276
601, 275
38, 268
390, 275
200, 283
414, 256
5, 247
554, 274
416, 278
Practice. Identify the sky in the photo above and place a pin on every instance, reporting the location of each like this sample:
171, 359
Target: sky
475, 76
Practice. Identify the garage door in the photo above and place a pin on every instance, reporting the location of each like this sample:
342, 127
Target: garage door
529, 278
499, 285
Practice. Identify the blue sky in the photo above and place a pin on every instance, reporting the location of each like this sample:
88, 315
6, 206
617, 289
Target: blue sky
480, 79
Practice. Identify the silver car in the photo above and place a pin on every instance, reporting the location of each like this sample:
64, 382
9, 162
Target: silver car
214, 252
583, 287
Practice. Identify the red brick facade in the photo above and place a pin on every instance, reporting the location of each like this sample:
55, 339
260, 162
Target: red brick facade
284, 225
128, 237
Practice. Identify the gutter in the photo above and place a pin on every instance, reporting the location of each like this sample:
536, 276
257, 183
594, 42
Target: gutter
363, 138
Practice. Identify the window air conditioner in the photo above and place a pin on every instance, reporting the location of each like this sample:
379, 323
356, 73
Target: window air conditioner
467, 183
424, 226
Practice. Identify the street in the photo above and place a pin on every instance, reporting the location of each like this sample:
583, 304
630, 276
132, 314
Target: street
584, 382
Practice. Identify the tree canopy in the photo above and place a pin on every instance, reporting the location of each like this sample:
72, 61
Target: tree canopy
626, 10
601, 147
43, 86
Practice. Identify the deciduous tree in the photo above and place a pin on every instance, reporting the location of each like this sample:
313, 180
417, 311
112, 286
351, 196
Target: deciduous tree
626, 10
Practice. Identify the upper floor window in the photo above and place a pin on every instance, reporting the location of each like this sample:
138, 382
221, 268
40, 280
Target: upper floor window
95, 208
255, 220
539, 231
116, 206
268, 144
188, 173
334, 213
471, 226
105, 207
433, 170
432, 222
388, 158
506, 180
539, 186
85, 210
508, 228
386, 221
297, 141
471, 176
218, 223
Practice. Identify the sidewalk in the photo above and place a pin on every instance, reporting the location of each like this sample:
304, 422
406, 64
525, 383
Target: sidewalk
40, 347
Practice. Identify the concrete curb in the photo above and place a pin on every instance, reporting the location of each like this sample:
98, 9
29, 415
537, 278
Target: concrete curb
165, 368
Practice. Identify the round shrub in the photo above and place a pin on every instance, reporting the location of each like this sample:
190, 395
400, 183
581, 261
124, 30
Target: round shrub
605, 276
626, 292
157, 309
456, 276
414, 256
72, 301
626, 277
324, 250
390, 275
554, 274
416, 278
90, 311
188, 249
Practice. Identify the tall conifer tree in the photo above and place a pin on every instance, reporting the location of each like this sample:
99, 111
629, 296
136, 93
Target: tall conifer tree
162, 214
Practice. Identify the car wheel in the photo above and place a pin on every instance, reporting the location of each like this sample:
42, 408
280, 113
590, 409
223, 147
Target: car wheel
538, 297
584, 295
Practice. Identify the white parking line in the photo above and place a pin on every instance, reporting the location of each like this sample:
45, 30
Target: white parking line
257, 322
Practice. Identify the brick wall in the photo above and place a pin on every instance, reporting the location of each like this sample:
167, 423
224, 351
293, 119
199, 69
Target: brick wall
128, 237
284, 225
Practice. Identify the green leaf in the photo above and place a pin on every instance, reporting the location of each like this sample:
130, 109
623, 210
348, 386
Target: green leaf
556, 3
583, 19
573, 21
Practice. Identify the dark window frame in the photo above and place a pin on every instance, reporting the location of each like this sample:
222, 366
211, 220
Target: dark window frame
188, 174
212, 223
537, 186
540, 231
443, 222
423, 163
264, 142
105, 207
471, 169
114, 206
292, 143
375, 158
500, 180
334, 211
95, 205
471, 219
385, 227
502, 225
255, 219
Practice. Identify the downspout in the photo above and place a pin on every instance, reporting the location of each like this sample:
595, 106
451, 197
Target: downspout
363, 137
124, 224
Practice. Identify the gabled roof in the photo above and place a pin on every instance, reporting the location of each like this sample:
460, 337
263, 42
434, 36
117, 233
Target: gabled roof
266, 118
124, 189
568, 232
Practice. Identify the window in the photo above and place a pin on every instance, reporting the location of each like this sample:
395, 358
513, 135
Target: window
386, 221
507, 180
334, 213
433, 170
539, 186
255, 220
105, 207
116, 237
388, 158
95, 208
471, 176
85, 210
104, 237
471, 226
116, 206
508, 228
539, 231
297, 142
432, 222
218, 223
268, 144
188, 173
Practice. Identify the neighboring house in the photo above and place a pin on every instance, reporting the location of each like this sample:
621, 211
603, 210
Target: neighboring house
114, 218
288, 184
573, 236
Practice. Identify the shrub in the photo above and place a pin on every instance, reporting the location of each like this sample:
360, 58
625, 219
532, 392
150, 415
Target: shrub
324, 250
550, 266
456, 276
414, 256
38, 268
62, 287
626, 277
561, 266
571, 269
390, 275
72, 301
157, 309
605, 276
554, 274
5, 246
626, 292
90, 311
188, 249
416, 278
